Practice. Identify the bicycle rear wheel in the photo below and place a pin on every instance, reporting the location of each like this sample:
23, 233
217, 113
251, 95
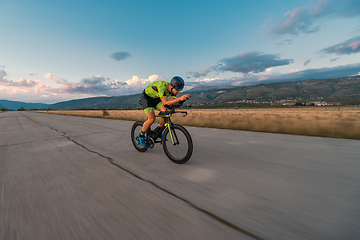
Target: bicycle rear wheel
178, 145
135, 130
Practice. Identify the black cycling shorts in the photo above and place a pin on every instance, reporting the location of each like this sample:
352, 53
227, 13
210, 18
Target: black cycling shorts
149, 103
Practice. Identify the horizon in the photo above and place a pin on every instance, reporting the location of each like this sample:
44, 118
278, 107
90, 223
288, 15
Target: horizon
216, 89
62, 51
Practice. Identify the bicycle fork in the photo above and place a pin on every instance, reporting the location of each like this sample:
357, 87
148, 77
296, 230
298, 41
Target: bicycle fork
174, 139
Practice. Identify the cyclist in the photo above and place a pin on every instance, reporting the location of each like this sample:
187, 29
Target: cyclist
155, 95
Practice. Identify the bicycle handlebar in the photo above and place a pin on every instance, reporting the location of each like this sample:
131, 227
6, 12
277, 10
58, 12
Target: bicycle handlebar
176, 105
173, 107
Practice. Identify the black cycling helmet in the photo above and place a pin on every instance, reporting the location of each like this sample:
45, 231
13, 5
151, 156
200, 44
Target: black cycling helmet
177, 83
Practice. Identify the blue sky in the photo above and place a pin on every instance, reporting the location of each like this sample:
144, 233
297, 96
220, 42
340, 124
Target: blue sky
52, 51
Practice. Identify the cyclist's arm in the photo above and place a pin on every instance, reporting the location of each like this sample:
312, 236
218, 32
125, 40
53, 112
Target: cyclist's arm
173, 101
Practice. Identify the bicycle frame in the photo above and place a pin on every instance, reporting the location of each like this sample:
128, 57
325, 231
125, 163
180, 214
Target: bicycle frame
168, 124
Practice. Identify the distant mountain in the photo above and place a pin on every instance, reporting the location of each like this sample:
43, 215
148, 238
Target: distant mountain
121, 102
345, 90
15, 105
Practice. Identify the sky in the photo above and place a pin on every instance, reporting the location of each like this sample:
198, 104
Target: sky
53, 51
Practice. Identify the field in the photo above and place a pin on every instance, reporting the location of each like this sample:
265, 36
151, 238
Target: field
337, 122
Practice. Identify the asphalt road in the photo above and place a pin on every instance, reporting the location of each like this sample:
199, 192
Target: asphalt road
65, 177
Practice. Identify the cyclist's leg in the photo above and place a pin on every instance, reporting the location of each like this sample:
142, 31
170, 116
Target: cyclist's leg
150, 119
162, 108
148, 104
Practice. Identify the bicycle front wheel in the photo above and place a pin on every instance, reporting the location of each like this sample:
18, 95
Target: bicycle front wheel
177, 144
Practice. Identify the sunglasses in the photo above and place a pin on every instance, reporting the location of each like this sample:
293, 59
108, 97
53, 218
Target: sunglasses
177, 88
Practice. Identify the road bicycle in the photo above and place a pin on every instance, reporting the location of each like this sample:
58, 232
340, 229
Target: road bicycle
176, 140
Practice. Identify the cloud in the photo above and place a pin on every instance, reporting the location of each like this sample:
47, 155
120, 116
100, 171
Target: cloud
87, 87
58, 80
94, 80
345, 48
214, 82
118, 56
21, 84
307, 62
203, 72
294, 75
2, 66
49, 76
284, 42
2, 75
136, 81
249, 62
254, 62
102, 86
318, 73
301, 20
298, 20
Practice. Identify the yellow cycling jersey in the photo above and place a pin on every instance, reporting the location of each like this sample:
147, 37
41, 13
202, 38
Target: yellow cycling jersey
158, 89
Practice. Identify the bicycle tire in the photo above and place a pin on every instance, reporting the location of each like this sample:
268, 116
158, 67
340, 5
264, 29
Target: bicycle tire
134, 132
167, 144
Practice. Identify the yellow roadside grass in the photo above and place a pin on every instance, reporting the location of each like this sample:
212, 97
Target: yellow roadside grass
339, 122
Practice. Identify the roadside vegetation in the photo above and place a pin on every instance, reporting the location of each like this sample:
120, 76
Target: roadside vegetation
337, 122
